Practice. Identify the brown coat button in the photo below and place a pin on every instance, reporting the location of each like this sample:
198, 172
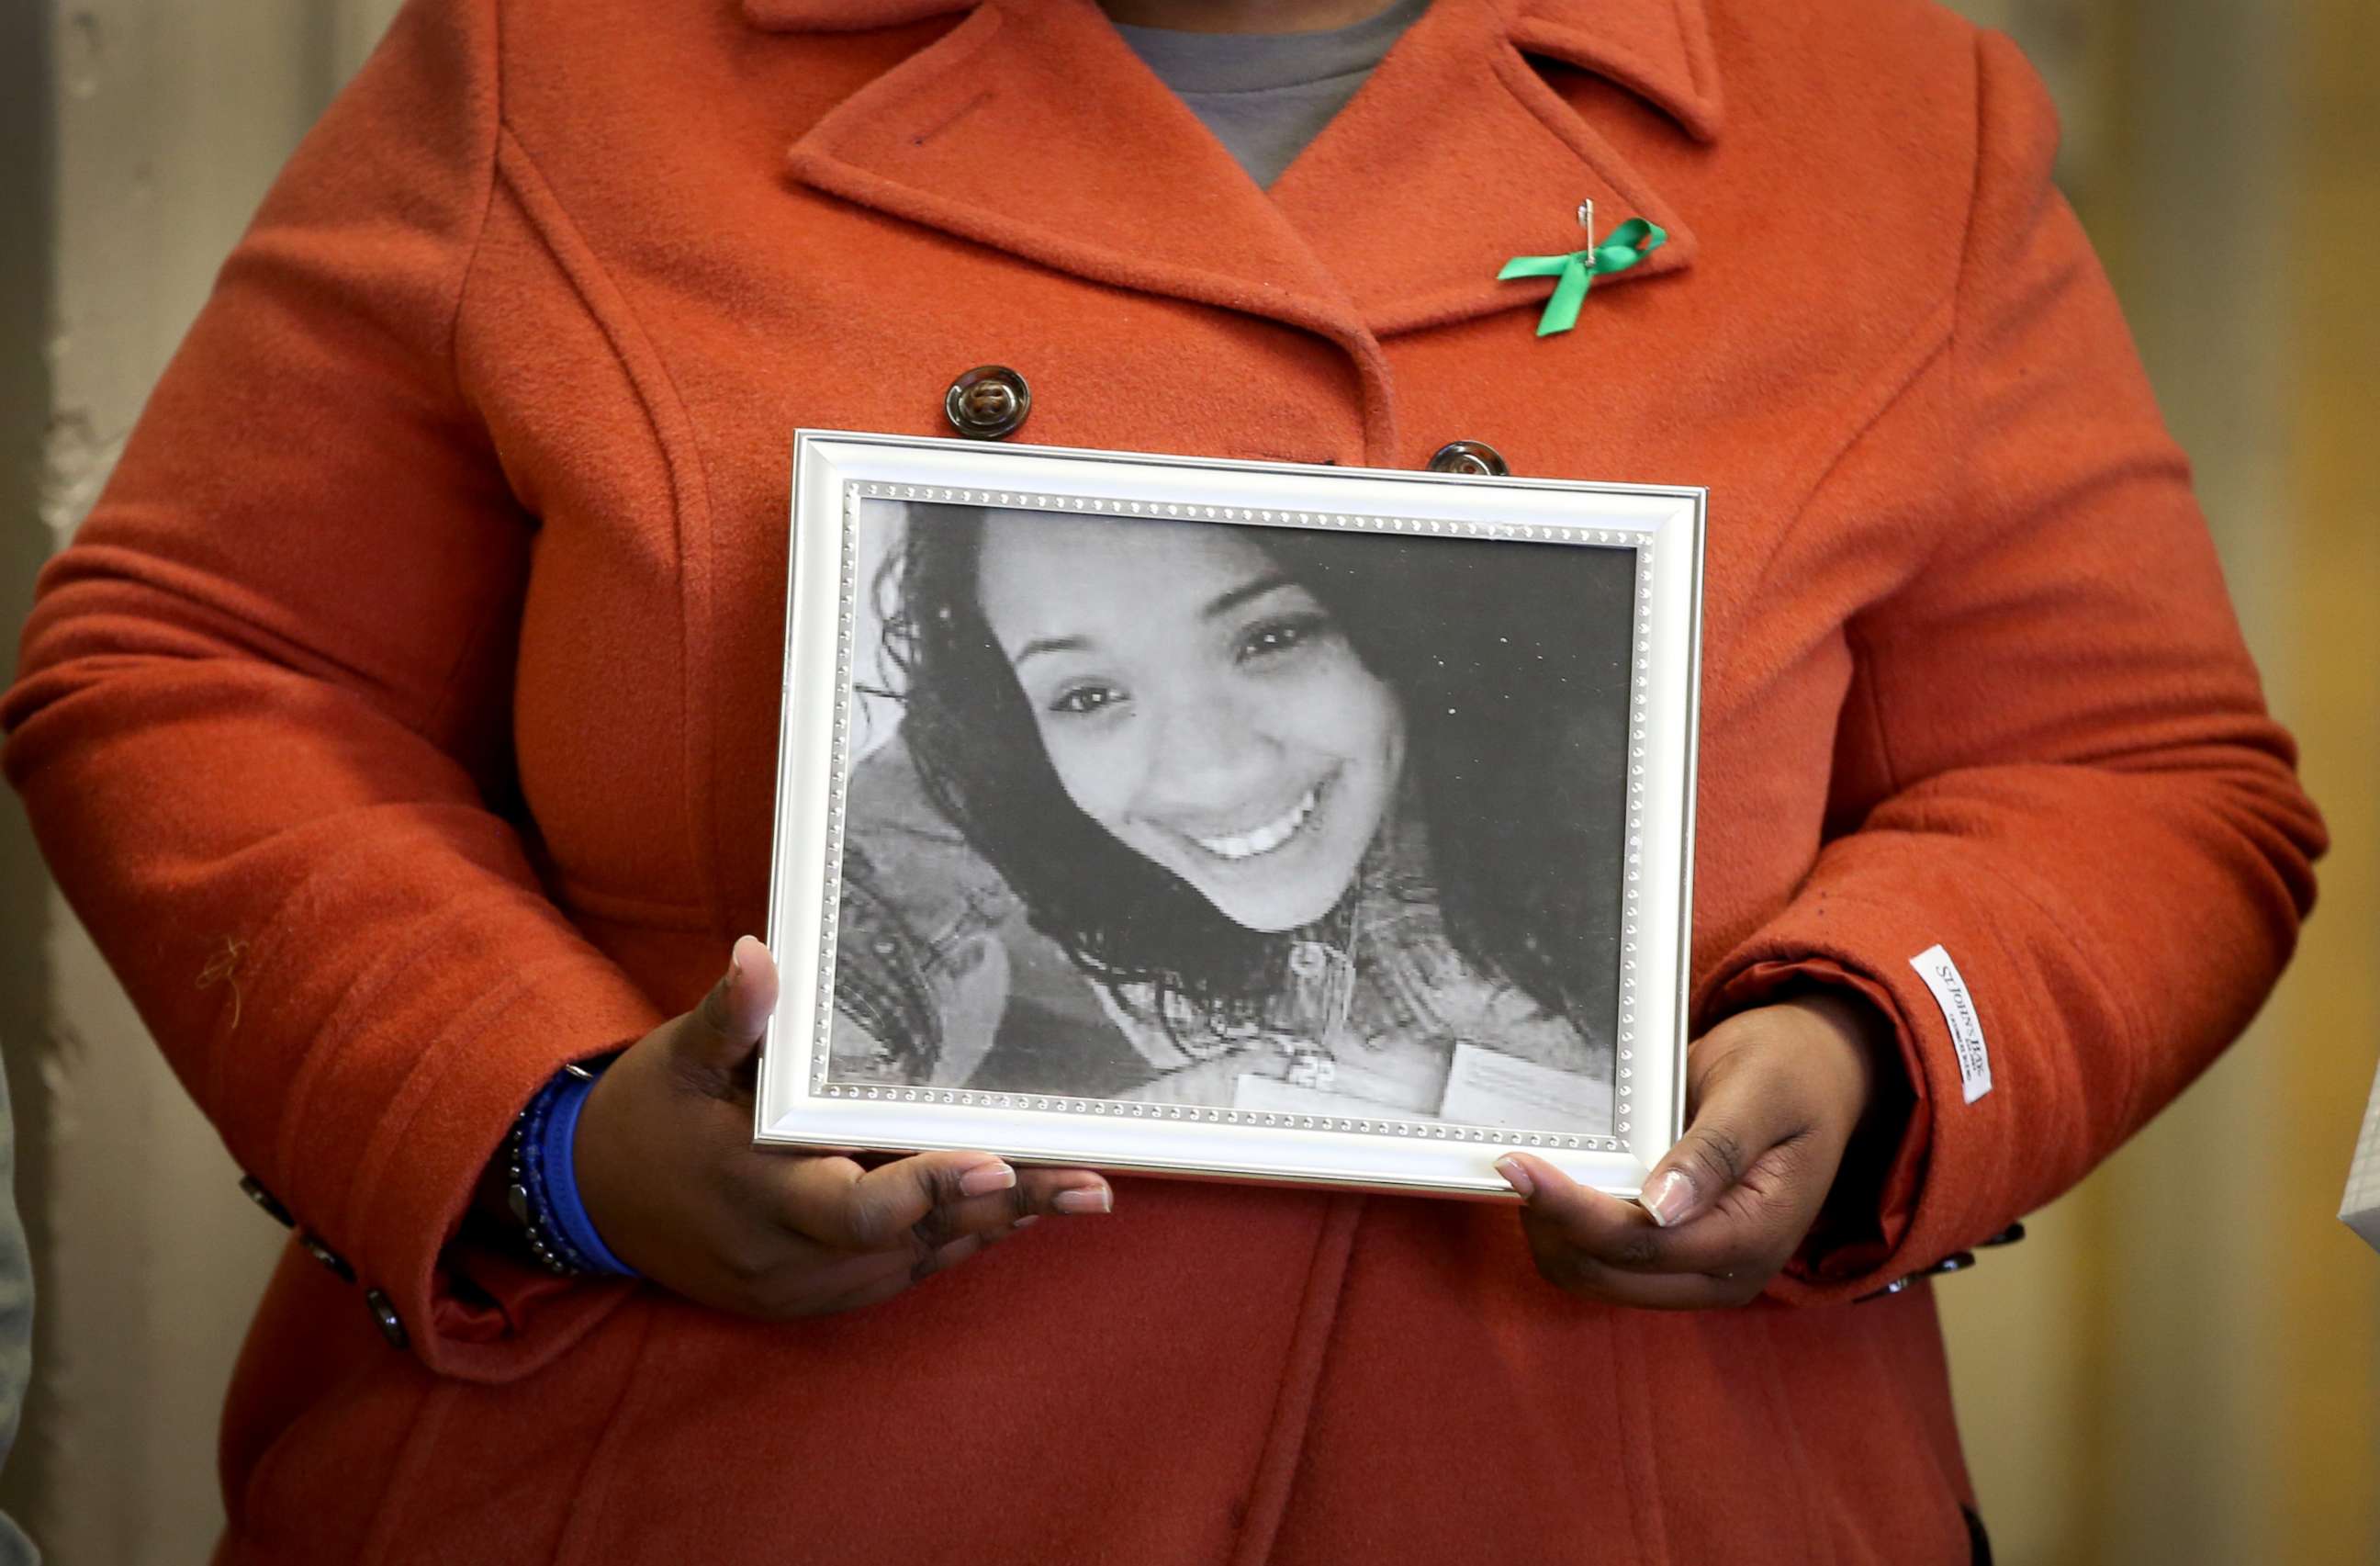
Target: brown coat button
385, 1315
987, 402
1472, 459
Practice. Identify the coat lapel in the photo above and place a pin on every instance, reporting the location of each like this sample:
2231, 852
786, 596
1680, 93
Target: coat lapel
1661, 50
1031, 126
1457, 156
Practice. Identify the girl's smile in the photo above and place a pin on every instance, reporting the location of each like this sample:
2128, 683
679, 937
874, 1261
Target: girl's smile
1264, 839
1197, 703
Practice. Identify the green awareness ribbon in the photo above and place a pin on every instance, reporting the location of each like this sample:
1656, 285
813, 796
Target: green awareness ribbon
1629, 244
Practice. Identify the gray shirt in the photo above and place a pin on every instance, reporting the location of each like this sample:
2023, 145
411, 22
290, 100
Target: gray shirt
1266, 95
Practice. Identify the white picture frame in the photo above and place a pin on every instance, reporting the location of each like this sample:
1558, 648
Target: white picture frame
853, 492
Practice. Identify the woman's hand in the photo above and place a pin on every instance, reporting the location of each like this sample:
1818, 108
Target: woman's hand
668, 1172
1775, 1095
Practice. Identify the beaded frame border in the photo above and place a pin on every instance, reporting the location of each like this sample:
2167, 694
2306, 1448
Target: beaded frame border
858, 492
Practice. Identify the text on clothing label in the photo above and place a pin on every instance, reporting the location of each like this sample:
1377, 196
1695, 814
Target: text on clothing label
1941, 977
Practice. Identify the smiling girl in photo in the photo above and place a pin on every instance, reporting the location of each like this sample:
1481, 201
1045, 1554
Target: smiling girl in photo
1302, 808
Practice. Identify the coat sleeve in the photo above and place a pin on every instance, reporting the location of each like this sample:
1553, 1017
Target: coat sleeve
262, 710
2055, 762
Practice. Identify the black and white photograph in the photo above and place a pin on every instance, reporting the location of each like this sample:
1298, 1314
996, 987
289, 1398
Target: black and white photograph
1241, 819
1260, 817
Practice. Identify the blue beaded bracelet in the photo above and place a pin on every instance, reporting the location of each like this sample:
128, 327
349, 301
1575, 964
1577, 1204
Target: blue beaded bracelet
544, 1189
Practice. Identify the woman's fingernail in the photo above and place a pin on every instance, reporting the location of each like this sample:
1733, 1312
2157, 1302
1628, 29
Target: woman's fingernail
1020, 1223
1090, 1199
1516, 1174
1669, 1198
985, 1179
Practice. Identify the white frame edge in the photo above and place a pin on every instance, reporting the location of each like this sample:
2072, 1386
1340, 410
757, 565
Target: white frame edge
1182, 1140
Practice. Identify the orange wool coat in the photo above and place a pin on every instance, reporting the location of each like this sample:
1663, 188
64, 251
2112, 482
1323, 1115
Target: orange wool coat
421, 666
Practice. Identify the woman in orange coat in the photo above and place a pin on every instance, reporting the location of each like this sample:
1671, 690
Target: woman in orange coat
422, 659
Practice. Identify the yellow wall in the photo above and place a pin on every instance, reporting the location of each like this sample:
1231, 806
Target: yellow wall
2181, 1365
2329, 1385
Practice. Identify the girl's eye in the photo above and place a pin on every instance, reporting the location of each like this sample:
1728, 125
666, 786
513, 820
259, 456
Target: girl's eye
1270, 638
1083, 700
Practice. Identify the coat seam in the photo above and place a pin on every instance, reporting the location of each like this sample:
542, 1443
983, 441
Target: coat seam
1273, 1482
1796, 1443
1633, 1403
1862, 651
580, 1529
487, 201
499, 612
557, 233
428, 1417
1909, 379
1686, 47
576, 898
1967, 239
1944, 348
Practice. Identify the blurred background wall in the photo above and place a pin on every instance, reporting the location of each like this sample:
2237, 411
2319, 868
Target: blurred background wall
2181, 1364
141, 135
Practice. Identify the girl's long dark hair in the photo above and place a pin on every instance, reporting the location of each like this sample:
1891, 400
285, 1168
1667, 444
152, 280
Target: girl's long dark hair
1511, 661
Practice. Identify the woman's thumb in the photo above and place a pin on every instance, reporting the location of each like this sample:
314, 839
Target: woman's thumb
1733, 1125
722, 1033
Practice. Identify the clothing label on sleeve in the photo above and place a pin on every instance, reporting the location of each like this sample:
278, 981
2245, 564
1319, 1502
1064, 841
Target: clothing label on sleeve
1941, 977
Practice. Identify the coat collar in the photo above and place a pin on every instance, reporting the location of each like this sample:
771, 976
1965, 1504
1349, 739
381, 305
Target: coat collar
1030, 127
1658, 49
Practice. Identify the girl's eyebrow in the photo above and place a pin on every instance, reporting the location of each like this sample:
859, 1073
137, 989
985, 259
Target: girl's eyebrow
1048, 644
1225, 603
